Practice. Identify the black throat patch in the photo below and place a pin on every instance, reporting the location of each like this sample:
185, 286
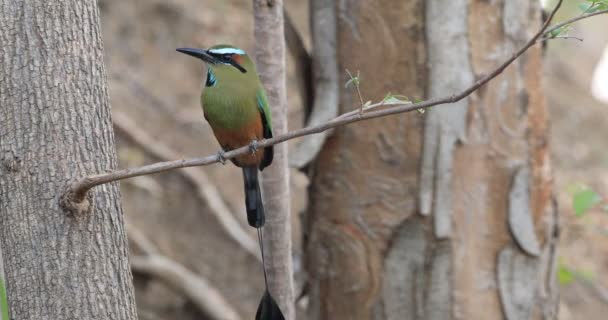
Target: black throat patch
211, 80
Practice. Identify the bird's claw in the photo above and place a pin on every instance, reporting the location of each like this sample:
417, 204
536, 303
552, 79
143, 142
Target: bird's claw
220, 157
253, 146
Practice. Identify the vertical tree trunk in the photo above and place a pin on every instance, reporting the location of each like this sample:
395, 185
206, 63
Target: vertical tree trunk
431, 217
55, 126
270, 60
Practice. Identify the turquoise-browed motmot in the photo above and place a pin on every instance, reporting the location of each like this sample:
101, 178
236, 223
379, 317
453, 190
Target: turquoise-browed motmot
235, 105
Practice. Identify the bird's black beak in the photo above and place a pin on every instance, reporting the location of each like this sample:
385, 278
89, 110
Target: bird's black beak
209, 58
199, 53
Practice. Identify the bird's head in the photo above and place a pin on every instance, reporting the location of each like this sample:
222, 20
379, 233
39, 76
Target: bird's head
221, 57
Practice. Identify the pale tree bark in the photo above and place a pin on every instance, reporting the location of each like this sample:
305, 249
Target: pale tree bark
270, 61
446, 215
55, 126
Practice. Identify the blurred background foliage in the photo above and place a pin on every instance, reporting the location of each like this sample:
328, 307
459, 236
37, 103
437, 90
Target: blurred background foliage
154, 94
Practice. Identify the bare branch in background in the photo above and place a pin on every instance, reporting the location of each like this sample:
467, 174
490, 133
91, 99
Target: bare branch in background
206, 190
196, 288
207, 299
73, 200
302, 61
325, 73
140, 240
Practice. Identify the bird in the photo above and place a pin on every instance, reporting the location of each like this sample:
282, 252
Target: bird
236, 107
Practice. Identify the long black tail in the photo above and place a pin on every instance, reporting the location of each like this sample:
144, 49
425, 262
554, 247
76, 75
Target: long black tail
268, 309
253, 197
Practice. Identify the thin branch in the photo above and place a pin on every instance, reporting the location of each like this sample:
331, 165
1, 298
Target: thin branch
206, 190
355, 80
74, 198
560, 37
575, 19
547, 35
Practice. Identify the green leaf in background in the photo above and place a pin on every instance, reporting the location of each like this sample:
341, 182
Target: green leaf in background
567, 274
584, 7
584, 200
564, 275
591, 6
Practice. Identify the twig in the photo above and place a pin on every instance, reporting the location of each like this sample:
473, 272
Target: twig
559, 37
206, 190
73, 199
570, 21
195, 287
355, 80
547, 35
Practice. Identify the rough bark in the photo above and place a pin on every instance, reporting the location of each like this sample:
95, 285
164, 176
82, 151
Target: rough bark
55, 126
431, 217
366, 174
270, 60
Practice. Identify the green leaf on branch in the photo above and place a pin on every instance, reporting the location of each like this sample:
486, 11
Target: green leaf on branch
421, 111
583, 200
399, 99
559, 31
395, 99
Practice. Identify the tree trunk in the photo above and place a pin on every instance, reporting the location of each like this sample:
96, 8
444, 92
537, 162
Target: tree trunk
55, 126
270, 60
432, 216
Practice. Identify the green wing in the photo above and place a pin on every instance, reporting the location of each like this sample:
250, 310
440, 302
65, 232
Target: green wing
267, 123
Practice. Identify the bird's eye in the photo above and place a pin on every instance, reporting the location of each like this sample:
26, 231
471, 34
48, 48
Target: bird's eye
227, 56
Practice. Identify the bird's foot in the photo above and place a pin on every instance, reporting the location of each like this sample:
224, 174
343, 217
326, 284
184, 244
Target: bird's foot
253, 146
220, 156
